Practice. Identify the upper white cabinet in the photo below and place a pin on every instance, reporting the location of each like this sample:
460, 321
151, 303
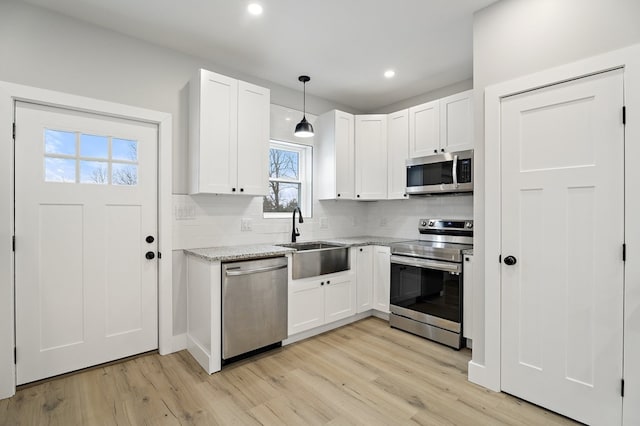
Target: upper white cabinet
443, 125
228, 135
456, 122
335, 155
424, 129
397, 154
371, 157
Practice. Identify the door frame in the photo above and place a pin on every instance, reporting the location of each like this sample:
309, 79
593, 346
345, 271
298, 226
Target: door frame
484, 368
9, 94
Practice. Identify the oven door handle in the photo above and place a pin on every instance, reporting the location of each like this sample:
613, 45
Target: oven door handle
425, 263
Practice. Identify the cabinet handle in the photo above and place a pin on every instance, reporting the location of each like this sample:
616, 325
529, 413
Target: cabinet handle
241, 189
328, 282
404, 195
435, 151
360, 249
322, 283
233, 190
338, 195
466, 258
358, 195
441, 149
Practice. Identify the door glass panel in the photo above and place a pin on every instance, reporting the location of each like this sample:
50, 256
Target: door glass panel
124, 174
59, 170
94, 172
124, 149
94, 146
59, 142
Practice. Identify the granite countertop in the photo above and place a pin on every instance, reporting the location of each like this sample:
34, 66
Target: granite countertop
366, 241
227, 253
256, 251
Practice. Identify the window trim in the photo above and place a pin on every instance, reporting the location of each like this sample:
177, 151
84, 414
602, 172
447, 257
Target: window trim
305, 178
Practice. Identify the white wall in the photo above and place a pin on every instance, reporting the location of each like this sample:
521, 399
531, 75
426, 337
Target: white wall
44, 49
518, 37
442, 92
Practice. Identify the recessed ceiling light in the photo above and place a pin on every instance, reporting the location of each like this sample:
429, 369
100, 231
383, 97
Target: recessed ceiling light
389, 73
254, 9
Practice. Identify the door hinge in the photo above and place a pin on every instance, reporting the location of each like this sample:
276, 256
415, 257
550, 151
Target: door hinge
622, 388
15, 355
500, 259
624, 115
159, 255
624, 252
13, 243
14, 130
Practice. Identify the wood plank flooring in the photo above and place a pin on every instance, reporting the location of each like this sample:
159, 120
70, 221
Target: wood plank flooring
365, 373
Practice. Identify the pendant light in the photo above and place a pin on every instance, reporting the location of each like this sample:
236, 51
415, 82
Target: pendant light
304, 129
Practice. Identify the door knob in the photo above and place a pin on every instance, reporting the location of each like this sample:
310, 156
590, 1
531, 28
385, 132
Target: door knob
149, 239
150, 255
510, 260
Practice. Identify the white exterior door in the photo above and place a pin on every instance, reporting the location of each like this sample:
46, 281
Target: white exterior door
86, 216
563, 221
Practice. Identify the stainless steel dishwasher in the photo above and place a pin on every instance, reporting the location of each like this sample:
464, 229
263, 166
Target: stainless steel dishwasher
254, 305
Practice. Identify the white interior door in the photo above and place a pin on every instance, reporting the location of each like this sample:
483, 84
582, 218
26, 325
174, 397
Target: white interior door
563, 221
86, 201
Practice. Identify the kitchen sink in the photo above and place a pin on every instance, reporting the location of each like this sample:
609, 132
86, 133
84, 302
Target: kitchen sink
317, 258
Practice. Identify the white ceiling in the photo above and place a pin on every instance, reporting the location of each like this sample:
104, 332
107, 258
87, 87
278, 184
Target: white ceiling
344, 45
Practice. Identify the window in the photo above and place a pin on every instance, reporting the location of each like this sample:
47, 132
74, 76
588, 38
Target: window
75, 157
289, 180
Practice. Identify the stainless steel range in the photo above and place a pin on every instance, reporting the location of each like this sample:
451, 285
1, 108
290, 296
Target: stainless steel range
426, 281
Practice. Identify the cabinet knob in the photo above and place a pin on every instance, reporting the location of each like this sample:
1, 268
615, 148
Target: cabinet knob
328, 282
358, 195
322, 283
150, 255
441, 149
404, 195
435, 151
338, 195
466, 258
360, 249
241, 189
149, 239
233, 190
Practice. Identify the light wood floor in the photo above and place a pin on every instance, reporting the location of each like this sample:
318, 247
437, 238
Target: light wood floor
365, 373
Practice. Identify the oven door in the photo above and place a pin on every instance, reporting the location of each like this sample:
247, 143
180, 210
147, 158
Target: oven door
427, 291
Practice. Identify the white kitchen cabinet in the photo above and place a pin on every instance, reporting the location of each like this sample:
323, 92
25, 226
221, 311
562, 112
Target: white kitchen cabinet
371, 157
443, 125
228, 136
456, 122
363, 257
320, 300
335, 156
424, 129
397, 154
467, 297
381, 278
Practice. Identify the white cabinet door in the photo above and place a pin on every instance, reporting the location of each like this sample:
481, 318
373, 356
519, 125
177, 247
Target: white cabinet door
371, 157
456, 122
467, 297
306, 305
339, 299
253, 139
335, 156
364, 277
424, 129
381, 278
398, 152
213, 127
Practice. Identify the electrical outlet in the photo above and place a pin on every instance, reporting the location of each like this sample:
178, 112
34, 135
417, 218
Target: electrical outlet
184, 212
324, 223
245, 224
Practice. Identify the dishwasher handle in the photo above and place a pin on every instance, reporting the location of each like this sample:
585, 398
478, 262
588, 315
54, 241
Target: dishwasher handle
237, 273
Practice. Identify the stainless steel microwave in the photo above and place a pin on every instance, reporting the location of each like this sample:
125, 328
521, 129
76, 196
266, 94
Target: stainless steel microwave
450, 172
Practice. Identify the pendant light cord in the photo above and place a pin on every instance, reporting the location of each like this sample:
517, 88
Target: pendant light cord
304, 100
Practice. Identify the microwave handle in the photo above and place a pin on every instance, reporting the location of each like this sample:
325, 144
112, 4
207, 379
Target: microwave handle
455, 171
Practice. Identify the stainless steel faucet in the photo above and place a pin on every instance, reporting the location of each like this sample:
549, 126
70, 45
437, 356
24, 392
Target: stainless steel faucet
294, 231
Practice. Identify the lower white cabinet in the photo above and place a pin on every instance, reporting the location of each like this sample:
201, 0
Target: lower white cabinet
467, 297
320, 300
381, 278
363, 257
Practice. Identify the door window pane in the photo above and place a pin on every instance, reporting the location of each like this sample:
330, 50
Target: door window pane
94, 172
124, 174
124, 149
283, 197
94, 146
59, 170
59, 142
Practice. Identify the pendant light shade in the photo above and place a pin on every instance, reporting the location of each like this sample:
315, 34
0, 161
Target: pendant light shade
304, 129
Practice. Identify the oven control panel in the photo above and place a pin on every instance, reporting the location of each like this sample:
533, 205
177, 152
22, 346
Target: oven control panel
445, 226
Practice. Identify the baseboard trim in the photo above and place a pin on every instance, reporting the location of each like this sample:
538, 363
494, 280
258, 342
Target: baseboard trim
179, 342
